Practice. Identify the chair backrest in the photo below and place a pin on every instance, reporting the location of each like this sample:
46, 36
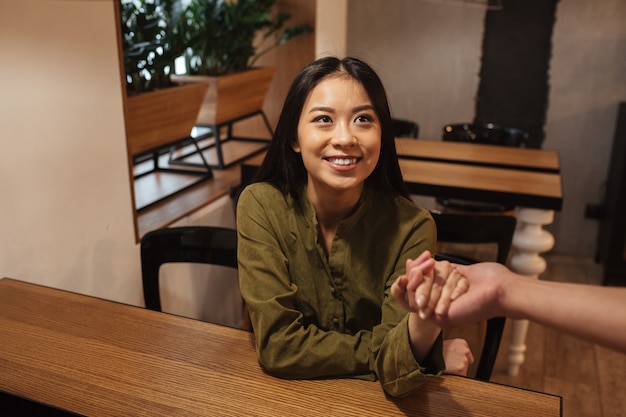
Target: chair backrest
193, 244
478, 229
488, 134
405, 128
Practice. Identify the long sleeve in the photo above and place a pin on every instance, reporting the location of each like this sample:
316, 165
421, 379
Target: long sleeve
317, 317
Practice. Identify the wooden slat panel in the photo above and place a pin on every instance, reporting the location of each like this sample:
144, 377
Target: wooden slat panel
489, 155
161, 117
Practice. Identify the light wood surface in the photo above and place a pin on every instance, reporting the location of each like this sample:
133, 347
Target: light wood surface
502, 185
161, 117
97, 357
476, 154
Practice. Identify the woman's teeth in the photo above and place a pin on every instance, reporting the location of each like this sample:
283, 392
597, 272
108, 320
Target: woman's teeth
343, 161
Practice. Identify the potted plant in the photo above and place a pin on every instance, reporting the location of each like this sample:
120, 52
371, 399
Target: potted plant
158, 110
226, 38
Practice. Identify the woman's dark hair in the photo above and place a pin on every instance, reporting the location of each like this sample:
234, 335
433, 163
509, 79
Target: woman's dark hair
283, 167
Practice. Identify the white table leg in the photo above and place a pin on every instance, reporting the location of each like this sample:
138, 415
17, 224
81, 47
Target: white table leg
529, 240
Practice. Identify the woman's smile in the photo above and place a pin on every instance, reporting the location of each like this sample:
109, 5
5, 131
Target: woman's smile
343, 161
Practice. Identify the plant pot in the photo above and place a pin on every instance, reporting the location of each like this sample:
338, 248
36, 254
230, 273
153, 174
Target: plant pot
232, 96
160, 117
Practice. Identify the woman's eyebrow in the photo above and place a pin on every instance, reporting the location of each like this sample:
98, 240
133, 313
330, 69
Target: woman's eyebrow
322, 109
363, 107
331, 110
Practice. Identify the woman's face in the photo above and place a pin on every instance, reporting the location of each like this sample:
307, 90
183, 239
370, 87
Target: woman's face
339, 135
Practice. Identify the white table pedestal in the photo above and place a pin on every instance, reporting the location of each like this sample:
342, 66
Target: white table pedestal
529, 240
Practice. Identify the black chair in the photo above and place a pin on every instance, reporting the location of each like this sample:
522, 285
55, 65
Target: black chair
192, 244
405, 128
486, 134
478, 229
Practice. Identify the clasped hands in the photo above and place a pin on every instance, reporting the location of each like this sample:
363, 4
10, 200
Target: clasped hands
428, 287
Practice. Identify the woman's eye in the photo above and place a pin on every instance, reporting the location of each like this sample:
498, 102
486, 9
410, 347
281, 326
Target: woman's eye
323, 119
363, 118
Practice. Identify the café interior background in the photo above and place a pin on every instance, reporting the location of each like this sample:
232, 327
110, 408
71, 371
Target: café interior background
66, 209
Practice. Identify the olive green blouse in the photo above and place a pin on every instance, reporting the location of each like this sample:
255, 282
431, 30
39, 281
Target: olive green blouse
316, 316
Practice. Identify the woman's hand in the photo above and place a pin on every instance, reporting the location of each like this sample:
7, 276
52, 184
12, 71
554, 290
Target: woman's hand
399, 290
457, 356
428, 286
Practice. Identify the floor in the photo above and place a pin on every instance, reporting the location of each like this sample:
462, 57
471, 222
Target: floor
588, 377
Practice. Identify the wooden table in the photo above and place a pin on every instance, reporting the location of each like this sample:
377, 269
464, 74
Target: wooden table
529, 179
520, 188
96, 357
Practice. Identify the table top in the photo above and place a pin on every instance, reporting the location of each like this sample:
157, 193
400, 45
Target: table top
541, 160
524, 188
96, 357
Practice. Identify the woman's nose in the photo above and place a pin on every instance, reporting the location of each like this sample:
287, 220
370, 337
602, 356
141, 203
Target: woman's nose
343, 135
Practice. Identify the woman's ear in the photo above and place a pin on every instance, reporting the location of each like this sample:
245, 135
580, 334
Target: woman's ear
295, 145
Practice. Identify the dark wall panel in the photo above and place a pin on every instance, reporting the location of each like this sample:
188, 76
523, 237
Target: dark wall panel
514, 77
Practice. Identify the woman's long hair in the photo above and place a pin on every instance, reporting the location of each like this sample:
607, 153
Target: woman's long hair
283, 167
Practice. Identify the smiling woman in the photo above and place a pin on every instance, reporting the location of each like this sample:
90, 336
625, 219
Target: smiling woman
331, 216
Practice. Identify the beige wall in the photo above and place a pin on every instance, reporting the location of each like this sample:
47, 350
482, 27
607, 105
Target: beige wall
428, 54
331, 29
65, 212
